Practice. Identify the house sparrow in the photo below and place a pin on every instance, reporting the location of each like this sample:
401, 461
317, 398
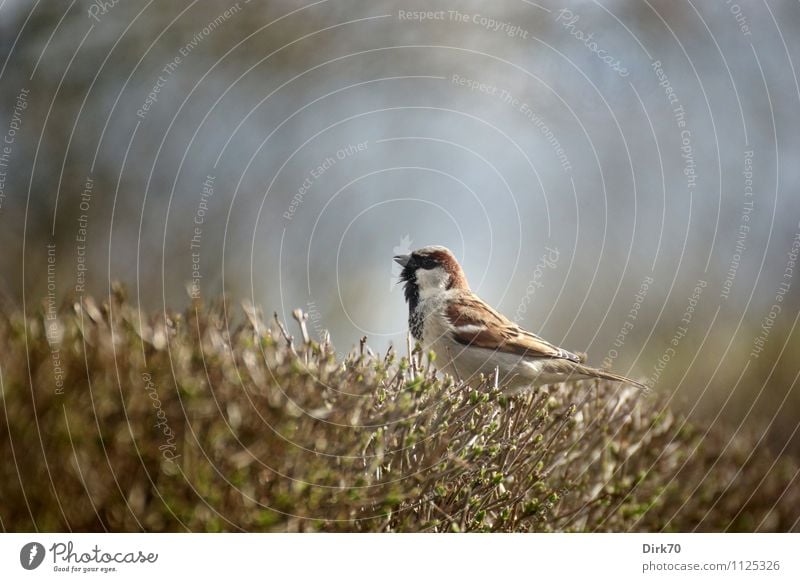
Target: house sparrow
470, 338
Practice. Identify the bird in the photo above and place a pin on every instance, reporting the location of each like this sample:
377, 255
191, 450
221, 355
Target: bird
470, 338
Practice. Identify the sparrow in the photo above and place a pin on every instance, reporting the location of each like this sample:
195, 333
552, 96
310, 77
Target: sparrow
470, 338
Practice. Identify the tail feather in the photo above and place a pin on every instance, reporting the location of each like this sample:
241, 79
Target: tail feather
567, 369
597, 373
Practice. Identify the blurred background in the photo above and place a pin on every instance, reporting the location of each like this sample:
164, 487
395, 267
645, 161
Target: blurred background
619, 176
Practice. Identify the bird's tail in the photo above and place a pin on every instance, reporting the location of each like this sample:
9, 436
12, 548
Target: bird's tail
597, 373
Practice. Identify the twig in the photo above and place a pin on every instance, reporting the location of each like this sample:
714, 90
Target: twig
289, 339
301, 320
412, 364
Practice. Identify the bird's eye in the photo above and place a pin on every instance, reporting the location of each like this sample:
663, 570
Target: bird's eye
426, 263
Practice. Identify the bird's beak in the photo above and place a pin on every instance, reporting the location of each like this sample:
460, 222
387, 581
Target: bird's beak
402, 260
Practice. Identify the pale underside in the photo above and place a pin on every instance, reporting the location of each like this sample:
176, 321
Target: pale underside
467, 362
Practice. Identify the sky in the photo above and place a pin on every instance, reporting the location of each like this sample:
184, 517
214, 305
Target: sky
618, 176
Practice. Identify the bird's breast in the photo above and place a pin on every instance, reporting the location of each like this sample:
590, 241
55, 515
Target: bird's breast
433, 323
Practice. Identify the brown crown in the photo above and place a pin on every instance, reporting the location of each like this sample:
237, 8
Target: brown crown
449, 263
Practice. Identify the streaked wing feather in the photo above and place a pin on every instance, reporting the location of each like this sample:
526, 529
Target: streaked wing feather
477, 324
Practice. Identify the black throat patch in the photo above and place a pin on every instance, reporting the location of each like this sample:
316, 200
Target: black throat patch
411, 292
415, 324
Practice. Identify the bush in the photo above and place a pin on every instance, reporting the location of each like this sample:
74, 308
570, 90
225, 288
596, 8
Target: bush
183, 422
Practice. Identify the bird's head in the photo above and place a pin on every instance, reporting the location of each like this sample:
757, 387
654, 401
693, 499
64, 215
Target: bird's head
428, 271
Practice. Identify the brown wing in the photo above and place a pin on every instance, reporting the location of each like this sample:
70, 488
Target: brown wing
476, 324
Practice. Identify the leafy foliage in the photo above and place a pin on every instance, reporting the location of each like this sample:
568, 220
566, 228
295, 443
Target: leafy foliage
178, 422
